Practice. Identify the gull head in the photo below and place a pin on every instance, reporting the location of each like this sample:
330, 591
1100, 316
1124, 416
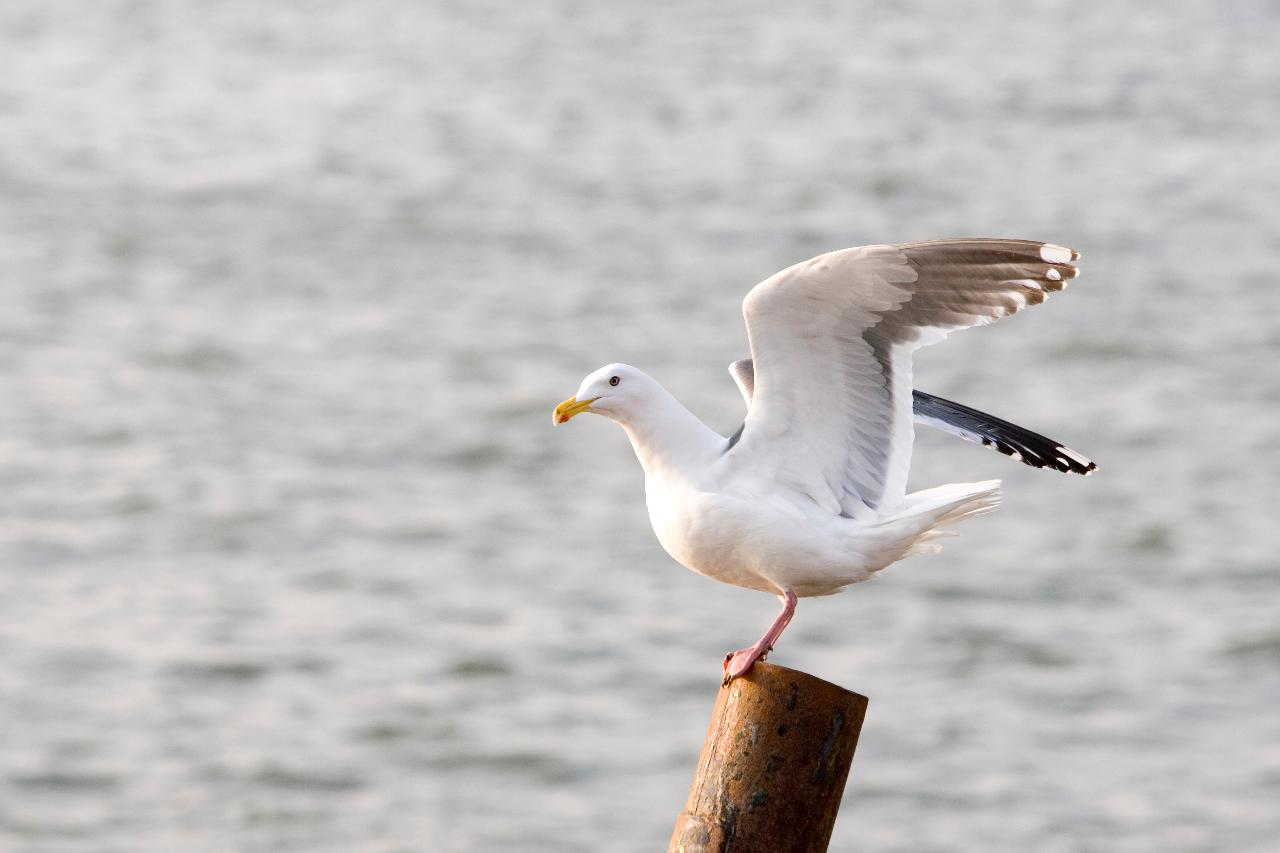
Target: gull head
615, 391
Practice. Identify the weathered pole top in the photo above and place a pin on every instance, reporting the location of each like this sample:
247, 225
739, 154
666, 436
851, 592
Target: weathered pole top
773, 767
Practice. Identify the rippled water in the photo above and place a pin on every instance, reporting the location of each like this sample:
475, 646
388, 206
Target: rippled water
291, 558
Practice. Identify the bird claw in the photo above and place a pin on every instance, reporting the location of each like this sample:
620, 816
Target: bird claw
740, 662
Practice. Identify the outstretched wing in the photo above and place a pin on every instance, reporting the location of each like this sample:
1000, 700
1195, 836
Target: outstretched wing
1029, 448
831, 342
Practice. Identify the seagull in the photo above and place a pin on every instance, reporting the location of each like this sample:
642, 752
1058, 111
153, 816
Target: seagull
809, 495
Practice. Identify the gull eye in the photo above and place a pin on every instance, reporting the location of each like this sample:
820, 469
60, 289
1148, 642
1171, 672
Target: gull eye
613, 380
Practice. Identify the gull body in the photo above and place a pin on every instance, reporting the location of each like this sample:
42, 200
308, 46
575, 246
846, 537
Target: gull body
724, 520
809, 496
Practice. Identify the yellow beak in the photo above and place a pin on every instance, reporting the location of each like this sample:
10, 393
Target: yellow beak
569, 408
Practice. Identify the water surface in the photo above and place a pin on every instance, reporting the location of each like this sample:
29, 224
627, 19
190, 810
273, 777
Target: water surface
292, 560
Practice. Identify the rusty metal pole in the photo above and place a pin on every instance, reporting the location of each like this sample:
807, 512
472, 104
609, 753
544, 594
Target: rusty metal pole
773, 766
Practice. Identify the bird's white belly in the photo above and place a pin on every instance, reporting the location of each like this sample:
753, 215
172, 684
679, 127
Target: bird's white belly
747, 543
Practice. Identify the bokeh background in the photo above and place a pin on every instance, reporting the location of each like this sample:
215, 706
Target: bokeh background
291, 558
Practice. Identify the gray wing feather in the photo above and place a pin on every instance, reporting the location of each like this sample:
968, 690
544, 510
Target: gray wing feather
1029, 448
744, 374
831, 340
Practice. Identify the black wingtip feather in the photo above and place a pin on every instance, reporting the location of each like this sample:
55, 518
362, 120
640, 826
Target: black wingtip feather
1029, 447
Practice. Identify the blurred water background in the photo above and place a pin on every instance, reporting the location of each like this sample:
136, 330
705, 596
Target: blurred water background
291, 558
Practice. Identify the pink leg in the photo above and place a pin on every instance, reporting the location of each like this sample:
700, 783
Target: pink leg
737, 663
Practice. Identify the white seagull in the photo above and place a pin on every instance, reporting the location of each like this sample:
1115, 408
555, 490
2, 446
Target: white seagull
809, 496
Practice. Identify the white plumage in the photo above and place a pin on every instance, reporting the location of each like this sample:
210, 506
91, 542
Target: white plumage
810, 495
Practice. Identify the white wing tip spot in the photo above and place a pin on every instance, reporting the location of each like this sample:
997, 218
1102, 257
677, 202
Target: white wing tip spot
1066, 451
1053, 275
1053, 254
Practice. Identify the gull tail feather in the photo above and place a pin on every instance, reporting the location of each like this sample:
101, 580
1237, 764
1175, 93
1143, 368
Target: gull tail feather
916, 526
936, 509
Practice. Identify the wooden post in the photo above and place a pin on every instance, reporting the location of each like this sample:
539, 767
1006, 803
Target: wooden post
773, 766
